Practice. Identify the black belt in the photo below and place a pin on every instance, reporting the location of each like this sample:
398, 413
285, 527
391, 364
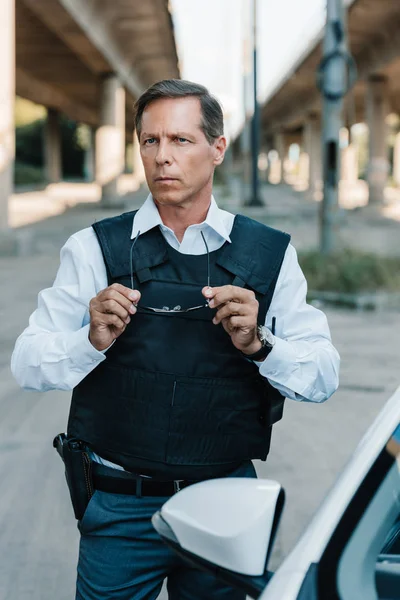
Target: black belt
114, 481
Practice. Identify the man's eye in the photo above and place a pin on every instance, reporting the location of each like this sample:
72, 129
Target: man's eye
182, 139
149, 141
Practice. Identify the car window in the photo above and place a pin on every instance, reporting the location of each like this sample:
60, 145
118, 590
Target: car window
392, 541
354, 564
387, 574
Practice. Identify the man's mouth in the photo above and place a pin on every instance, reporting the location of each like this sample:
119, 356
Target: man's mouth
166, 179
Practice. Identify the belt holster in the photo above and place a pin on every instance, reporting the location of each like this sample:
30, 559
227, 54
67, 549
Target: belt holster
78, 471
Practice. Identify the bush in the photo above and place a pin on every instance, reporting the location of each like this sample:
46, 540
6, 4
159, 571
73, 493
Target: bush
350, 271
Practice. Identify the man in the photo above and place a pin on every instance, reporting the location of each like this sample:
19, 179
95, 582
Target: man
160, 322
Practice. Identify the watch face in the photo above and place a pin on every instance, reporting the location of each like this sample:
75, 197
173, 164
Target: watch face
266, 337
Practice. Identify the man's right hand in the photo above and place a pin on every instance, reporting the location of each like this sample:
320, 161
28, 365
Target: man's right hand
110, 314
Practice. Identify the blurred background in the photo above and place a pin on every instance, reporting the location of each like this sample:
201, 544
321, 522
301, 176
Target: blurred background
312, 115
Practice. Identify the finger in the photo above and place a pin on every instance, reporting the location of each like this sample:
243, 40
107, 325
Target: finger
118, 323
227, 293
226, 324
115, 295
235, 322
103, 319
113, 307
207, 291
127, 292
239, 322
229, 309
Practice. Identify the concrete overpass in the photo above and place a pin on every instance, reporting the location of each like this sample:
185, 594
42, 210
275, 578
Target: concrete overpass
293, 110
89, 60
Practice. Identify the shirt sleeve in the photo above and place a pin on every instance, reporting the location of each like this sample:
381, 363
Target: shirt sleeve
303, 364
54, 351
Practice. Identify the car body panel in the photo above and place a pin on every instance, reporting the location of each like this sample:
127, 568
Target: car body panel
288, 579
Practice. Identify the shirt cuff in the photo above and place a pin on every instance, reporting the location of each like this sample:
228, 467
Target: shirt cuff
281, 367
279, 360
83, 355
281, 364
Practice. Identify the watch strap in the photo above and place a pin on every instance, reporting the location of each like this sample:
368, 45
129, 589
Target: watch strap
261, 354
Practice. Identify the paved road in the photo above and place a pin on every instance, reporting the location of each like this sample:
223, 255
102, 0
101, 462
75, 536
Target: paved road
38, 539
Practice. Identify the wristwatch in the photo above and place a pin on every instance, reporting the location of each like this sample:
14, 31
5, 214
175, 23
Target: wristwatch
267, 340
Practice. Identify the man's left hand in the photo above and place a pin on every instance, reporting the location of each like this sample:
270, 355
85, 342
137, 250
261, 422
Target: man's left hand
237, 311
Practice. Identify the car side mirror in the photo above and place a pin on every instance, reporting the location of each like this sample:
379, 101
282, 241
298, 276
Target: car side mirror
226, 526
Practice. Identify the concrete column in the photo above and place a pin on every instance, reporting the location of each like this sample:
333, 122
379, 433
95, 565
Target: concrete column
349, 164
110, 140
313, 146
7, 98
90, 157
268, 169
303, 170
52, 147
267, 146
277, 167
396, 160
129, 157
138, 170
263, 163
377, 111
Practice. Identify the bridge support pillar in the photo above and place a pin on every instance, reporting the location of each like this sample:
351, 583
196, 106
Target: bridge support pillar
90, 157
7, 131
138, 170
349, 164
110, 141
277, 167
52, 147
313, 147
377, 111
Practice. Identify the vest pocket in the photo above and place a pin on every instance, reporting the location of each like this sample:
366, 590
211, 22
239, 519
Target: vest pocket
216, 421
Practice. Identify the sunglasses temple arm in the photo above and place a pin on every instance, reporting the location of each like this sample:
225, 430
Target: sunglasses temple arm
208, 259
130, 260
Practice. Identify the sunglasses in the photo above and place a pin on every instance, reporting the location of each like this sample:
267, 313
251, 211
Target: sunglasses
167, 309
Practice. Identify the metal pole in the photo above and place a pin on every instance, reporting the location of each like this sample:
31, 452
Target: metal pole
246, 73
255, 199
333, 83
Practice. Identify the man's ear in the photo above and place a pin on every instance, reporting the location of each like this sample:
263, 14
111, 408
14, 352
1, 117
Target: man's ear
219, 150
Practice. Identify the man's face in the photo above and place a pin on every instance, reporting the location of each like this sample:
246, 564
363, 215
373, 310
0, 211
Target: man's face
177, 158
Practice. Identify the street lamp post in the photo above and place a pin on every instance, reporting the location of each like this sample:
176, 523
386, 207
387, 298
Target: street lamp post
245, 143
335, 76
255, 199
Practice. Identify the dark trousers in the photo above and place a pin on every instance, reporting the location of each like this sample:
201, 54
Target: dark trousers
121, 556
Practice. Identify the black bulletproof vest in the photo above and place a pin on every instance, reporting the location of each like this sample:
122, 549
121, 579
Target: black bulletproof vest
174, 397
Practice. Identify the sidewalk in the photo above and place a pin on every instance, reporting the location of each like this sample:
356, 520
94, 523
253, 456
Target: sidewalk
309, 446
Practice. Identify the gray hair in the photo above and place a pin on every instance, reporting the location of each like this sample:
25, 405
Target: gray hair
212, 122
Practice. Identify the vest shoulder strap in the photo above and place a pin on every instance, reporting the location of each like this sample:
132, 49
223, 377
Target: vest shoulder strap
114, 236
256, 253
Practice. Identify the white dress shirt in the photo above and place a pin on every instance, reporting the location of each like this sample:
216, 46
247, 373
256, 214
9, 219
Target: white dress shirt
54, 351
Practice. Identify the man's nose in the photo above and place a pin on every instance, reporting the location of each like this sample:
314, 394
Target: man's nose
163, 155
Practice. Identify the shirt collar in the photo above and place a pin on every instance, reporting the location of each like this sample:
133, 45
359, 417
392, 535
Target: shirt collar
148, 217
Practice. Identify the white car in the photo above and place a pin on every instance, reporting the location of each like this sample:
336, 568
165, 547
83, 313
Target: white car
349, 551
